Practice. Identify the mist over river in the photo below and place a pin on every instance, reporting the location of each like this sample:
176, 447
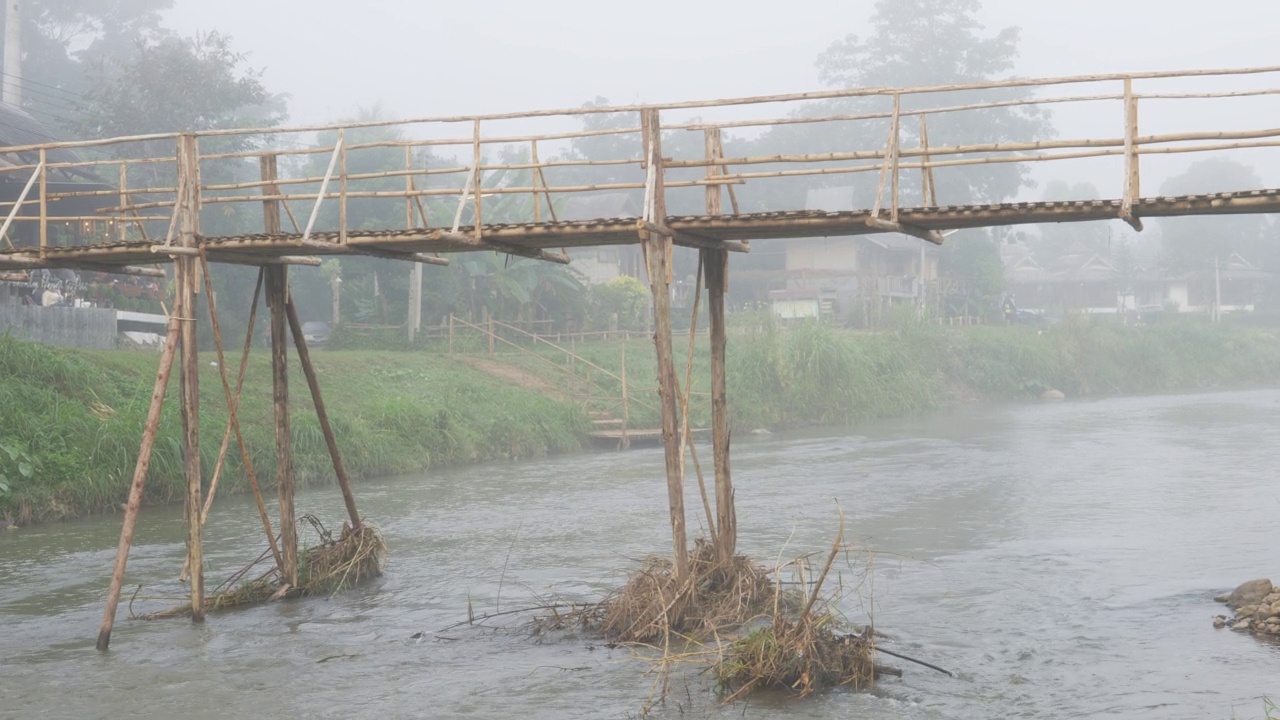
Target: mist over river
1061, 558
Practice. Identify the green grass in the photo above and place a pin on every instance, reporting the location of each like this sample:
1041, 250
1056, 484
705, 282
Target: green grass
81, 413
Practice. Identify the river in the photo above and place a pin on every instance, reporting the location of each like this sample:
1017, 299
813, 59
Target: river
1061, 558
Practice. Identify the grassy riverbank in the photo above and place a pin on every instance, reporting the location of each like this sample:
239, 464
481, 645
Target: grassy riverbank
73, 418
818, 375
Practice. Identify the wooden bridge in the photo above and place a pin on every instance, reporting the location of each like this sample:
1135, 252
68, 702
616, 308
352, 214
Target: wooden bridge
128, 205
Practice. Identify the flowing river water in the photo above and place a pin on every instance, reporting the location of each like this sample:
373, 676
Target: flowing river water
1061, 558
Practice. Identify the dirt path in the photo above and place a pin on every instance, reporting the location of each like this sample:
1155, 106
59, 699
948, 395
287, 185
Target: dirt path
515, 376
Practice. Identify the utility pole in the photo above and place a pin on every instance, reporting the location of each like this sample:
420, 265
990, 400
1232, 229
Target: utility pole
1217, 291
12, 94
415, 300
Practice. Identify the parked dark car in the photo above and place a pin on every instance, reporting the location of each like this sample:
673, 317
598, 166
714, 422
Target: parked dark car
316, 333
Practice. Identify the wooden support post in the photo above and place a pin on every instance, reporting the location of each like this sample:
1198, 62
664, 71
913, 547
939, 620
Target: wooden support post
132, 507
491, 332
313, 382
277, 288
123, 188
451, 333
657, 255
715, 268
715, 265
185, 307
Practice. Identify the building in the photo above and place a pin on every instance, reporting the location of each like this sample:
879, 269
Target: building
17, 128
852, 278
602, 264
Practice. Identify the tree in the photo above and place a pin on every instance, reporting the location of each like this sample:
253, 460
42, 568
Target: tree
1057, 239
62, 38
176, 83
1193, 242
915, 43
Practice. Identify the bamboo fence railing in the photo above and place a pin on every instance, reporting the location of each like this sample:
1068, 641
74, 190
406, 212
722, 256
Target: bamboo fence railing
139, 185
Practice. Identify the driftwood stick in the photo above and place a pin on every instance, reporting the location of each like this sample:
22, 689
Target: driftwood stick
139, 482
908, 658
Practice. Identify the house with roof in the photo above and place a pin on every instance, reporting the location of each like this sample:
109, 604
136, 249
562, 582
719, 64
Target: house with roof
851, 277
1082, 280
604, 263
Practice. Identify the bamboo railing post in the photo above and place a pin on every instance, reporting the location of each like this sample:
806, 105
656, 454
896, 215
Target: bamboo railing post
1131, 162
929, 191
187, 282
124, 200
451, 333
533, 181
342, 187
134, 503
479, 179
658, 257
313, 383
277, 288
894, 146
44, 205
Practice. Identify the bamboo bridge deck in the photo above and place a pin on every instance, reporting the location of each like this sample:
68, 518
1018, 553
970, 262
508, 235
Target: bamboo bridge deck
702, 231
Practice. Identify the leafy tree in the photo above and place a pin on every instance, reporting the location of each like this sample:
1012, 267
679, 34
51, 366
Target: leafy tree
1194, 242
1057, 239
61, 38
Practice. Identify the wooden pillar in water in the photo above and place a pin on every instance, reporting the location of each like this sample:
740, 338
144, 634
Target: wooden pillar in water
187, 276
657, 249
715, 267
277, 288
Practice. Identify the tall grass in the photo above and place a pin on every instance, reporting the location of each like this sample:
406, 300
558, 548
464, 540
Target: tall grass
81, 414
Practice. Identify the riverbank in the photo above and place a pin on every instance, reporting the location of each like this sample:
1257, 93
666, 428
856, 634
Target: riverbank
73, 418
816, 375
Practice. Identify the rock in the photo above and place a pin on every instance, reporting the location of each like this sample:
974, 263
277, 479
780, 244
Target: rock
761, 431
1274, 597
1220, 622
1250, 593
1224, 597
1242, 625
1275, 608
1262, 613
1247, 611
1052, 394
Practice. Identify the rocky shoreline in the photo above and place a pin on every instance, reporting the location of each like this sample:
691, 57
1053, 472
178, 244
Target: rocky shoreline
1255, 606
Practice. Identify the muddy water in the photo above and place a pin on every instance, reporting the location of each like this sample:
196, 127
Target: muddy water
1061, 558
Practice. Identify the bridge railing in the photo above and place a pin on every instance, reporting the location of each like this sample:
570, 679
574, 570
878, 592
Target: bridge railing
337, 180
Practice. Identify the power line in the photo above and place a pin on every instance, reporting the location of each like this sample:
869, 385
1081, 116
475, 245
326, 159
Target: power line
73, 95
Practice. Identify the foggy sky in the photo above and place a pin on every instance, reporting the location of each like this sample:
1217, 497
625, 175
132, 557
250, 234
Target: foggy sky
418, 58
